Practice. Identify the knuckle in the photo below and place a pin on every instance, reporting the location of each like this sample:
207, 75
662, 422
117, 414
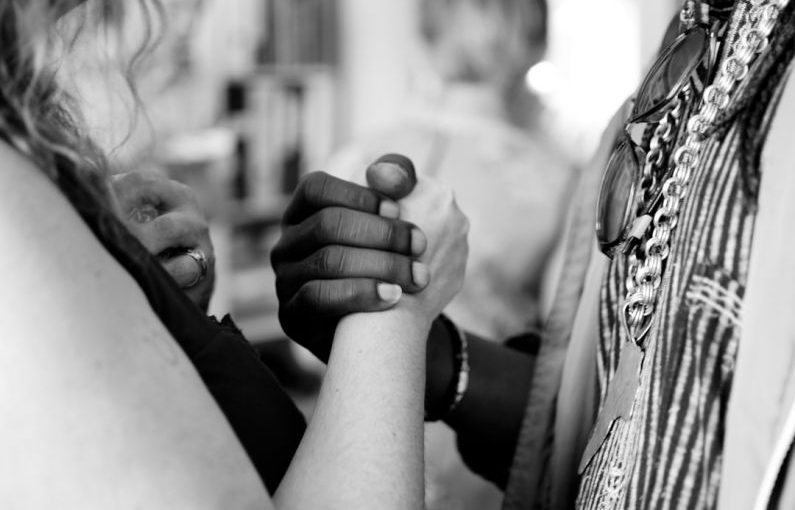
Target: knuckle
329, 261
200, 226
165, 227
329, 224
310, 295
349, 292
314, 186
361, 199
338, 260
397, 269
316, 227
391, 233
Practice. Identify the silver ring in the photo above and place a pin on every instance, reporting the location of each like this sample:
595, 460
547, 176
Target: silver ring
200, 258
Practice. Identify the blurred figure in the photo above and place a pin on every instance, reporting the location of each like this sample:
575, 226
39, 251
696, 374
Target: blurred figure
461, 133
508, 180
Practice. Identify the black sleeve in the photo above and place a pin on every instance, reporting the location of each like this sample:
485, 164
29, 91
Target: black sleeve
263, 416
492, 457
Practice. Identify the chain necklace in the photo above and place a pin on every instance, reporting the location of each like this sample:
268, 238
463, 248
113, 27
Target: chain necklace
747, 36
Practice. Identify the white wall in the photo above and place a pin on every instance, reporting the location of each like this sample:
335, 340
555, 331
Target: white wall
654, 18
376, 41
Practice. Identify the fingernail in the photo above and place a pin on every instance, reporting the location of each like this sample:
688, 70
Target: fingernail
389, 209
420, 274
392, 175
401, 161
395, 172
418, 242
389, 292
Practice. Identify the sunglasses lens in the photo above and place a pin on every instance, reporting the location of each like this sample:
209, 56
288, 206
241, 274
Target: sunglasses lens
670, 73
616, 196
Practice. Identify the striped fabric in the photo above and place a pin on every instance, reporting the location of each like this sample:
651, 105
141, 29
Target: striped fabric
669, 454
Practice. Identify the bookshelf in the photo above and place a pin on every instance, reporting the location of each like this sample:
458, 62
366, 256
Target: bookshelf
283, 112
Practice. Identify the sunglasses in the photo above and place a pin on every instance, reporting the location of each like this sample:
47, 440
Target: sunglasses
631, 189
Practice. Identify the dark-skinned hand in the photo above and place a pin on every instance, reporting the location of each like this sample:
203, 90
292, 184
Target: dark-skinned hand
344, 250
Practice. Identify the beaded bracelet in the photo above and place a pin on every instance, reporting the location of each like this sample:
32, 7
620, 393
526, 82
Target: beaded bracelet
459, 384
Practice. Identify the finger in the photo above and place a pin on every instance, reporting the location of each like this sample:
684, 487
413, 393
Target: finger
336, 298
135, 189
173, 231
202, 290
392, 175
341, 262
183, 269
320, 190
335, 225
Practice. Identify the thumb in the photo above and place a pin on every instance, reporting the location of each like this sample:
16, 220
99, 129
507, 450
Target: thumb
392, 175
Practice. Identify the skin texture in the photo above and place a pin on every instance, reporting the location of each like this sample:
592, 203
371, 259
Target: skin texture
165, 216
66, 5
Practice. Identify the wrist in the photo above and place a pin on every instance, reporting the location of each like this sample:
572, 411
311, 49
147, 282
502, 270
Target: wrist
412, 326
447, 370
439, 366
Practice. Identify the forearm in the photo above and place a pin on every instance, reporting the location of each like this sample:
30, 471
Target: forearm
488, 419
366, 433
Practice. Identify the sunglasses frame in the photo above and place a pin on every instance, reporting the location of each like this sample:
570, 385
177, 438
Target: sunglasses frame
708, 53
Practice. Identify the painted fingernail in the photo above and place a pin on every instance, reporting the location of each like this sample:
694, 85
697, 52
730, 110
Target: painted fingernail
389, 292
418, 242
389, 209
420, 274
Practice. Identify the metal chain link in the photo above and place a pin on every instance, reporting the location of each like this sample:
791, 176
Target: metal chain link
659, 145
645, 276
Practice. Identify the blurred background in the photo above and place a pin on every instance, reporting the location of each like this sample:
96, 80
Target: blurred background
243, 97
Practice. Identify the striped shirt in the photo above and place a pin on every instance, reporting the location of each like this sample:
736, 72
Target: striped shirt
668, 455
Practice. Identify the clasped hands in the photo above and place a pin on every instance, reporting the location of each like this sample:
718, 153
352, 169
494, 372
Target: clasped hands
344, 248
347, 248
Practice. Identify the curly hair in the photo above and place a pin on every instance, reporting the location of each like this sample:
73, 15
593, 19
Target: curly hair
37, 115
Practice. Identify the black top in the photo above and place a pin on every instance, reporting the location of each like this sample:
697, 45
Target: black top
264, 418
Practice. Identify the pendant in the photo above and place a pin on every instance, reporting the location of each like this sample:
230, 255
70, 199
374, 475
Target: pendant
618, 401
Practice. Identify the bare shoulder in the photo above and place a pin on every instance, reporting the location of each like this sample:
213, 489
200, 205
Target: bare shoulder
27, 194
89, 376
46, 245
